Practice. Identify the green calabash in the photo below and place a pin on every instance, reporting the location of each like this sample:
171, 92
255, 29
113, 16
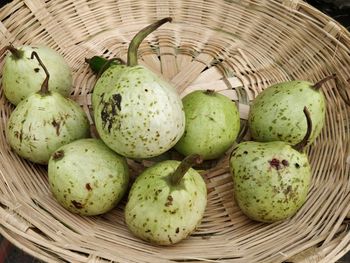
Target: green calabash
277, 113
270, 180
136, 112
87, 178
42, 123
22, 75
163, 212
212, 124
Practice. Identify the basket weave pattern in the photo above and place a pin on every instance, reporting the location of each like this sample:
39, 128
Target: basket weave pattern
236, 47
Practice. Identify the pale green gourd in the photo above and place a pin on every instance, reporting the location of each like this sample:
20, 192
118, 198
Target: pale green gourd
271, 179
166, 202
88, 178
212, 124
22, 75
136, 113
276, 114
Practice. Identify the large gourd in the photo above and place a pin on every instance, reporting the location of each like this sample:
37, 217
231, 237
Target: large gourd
137, 114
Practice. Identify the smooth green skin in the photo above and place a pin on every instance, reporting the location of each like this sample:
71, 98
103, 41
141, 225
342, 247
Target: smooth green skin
41, 124
23, 77
276, 114
262, 192
161, 213
137, 114
212, 124
89, 179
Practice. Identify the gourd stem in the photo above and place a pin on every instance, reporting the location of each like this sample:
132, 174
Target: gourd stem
139, 37
15, 52
45, 85
301, 145
184, 166
319, 84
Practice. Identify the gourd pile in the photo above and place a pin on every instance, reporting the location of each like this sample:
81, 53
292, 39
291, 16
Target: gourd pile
138, 115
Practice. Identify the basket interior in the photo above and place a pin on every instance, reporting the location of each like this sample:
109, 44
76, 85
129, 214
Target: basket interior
236, 47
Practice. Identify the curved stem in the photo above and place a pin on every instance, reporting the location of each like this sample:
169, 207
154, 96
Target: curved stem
301, 145
45, 85
139, 37
184, 166
15, 52
319, 84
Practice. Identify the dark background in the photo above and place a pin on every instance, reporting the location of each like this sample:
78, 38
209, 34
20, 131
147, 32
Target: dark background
338, 9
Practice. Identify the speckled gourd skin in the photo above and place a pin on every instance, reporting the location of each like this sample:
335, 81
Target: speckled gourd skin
270, 180
42, 123
108, 82
276, 114
23, 77
87, 178
138, 115
161, 213
212, 124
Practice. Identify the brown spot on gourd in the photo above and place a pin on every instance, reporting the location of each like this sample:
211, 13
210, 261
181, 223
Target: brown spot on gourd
56, 125
88, 187
169, 201
285, 162
177, 230
58, 155
36, 70
275, 163
77, 204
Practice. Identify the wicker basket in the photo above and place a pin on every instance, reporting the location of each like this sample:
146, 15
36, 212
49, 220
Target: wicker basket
236, 46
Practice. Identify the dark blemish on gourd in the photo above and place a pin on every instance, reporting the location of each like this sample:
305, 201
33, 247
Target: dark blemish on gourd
148, 230
58, 155
170, 201
56, 125
170, 240
288, 190
88, 187
245, 152
177, 230
36, 70
297, 165
77, 205
285, 162
275, 163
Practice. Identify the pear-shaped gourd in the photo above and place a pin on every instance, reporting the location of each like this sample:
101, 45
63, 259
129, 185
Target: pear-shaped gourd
276, 114
212, 124
167, 202
137, 114
87, 178
43, 122
271, 179
22, 75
